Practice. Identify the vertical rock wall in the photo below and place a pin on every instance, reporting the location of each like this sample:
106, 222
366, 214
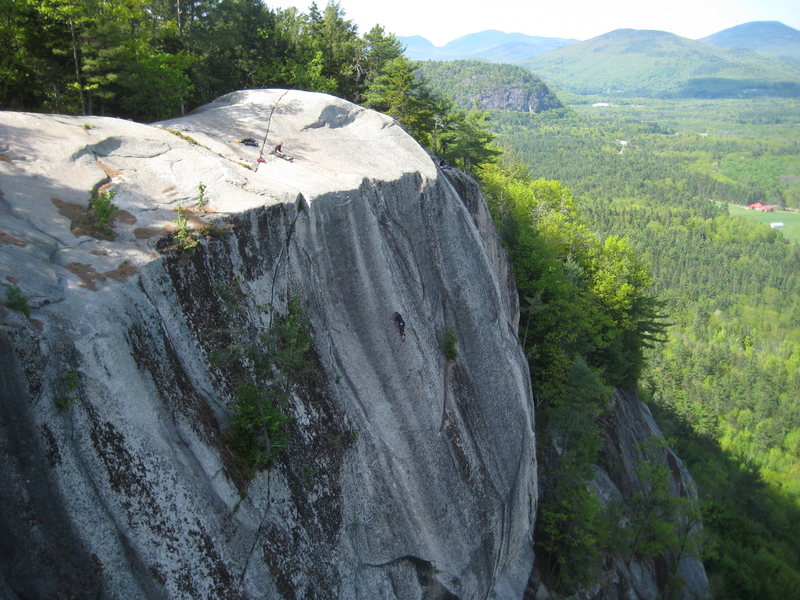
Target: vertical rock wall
384, 491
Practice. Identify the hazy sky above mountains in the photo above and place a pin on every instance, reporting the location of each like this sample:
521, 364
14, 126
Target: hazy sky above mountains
442, 21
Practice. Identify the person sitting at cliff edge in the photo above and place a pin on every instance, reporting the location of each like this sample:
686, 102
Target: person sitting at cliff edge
401, 325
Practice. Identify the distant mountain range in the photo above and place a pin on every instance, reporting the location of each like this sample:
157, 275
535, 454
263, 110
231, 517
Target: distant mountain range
769, 38
490, 45
753, 59
631, 62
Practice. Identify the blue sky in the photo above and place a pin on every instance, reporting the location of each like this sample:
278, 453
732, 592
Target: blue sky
442, 21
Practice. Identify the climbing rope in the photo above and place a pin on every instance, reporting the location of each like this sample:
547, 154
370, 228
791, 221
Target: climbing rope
285, 248
269, 123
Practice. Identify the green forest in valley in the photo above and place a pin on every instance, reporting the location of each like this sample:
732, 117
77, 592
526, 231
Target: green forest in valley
725, 383
632, 270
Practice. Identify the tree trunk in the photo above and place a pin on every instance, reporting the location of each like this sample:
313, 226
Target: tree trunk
77, 63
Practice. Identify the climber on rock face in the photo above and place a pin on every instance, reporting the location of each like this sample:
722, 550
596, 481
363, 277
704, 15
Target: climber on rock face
401, 325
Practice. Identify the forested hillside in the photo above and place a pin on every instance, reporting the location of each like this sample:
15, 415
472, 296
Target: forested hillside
471, 84
769, 38
152, 59
657, 64
725, 383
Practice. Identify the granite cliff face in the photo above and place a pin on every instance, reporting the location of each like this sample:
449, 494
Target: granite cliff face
517, 98
407, 475
128, 490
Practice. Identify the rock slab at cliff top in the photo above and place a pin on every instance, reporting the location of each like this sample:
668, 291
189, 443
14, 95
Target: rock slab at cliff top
130, 492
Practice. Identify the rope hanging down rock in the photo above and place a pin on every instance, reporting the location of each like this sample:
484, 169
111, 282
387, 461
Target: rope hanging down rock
269, 123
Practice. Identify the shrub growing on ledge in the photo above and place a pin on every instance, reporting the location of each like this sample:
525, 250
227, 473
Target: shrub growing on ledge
280, 360
102, 208
449, 344
97, 221
16, 300
69, 383
186, 239
257, 428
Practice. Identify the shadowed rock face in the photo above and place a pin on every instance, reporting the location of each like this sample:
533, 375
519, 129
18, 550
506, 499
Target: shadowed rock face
629, 431
130, 491
632, 438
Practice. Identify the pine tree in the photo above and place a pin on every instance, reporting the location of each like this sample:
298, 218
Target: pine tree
397, 92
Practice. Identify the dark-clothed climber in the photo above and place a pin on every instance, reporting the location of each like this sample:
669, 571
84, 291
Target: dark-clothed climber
401, 325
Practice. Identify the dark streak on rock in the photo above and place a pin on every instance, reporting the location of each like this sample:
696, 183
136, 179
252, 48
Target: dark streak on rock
52, 452
41, 554
126, 472
220, 313
224, 584
175, 387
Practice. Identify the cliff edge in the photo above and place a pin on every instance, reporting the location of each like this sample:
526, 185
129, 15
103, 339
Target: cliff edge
406, 473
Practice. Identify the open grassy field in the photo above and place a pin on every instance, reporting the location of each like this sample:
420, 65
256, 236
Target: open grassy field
791, 220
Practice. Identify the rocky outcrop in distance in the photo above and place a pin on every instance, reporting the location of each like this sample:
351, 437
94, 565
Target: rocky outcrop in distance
116, 474
473, 83
517, 98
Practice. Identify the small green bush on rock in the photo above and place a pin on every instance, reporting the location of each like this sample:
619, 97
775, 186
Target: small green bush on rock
16, 300
449, 344
69, 385
102, 208
280, 360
